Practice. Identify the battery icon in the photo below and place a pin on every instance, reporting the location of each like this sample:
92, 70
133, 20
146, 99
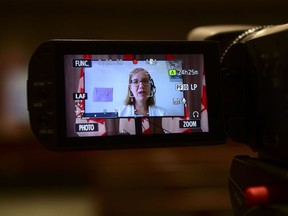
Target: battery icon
172, 72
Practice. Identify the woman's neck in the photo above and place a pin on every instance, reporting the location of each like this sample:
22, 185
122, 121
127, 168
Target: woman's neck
141, 109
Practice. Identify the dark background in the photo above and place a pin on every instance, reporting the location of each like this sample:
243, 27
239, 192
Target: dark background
30, 22
168, 181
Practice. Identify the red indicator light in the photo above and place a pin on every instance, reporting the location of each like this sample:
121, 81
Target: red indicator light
257, 195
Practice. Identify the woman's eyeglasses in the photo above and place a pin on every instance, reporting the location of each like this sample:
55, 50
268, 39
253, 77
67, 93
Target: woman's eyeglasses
136, 82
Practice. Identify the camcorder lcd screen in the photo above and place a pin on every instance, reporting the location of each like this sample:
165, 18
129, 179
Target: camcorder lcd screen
163, 93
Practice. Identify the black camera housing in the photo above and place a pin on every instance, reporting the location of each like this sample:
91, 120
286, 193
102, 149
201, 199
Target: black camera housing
254, 68
255, 64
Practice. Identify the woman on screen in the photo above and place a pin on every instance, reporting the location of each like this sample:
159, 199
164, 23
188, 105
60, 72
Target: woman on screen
140, 100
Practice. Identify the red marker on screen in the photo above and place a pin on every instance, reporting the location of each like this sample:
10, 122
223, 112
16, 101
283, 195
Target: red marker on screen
128, 57
169, 57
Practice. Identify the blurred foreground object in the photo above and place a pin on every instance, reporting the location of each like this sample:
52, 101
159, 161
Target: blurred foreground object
14, 122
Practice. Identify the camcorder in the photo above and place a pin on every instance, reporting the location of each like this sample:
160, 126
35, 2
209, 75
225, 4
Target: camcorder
223, 82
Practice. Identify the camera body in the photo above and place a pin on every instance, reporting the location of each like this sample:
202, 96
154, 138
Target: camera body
254, 69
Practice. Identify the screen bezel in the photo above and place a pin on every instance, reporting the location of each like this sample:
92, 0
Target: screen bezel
210, 50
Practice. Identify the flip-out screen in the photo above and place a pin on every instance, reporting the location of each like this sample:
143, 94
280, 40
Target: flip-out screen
101, 94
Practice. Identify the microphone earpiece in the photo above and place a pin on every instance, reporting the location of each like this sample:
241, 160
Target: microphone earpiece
153, 87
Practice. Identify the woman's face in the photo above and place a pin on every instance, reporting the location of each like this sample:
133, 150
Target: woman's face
140, 86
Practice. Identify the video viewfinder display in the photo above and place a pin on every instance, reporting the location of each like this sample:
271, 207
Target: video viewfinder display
135, 94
